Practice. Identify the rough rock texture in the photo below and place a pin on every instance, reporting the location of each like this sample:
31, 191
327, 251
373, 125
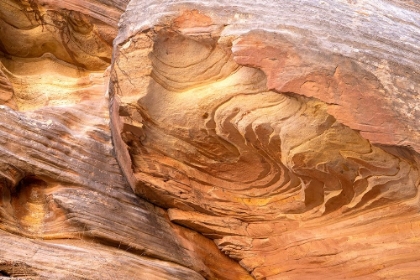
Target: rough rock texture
255, 139
285, 131
66, 211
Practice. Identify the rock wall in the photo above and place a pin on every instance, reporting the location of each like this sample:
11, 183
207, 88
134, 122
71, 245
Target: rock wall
66, 211
211, 139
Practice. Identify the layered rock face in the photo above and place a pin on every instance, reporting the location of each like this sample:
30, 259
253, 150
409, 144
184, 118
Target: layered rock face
268, 140
275, 133
66, 211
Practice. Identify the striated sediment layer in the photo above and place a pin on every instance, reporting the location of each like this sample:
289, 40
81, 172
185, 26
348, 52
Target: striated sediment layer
209, 140
66, 211
289, 154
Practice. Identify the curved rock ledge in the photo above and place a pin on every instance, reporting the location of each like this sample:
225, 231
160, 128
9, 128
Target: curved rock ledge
209, 140
268, 141
66, 211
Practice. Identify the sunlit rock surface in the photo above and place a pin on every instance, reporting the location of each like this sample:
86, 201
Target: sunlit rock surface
66, 211
210, 140
287, 132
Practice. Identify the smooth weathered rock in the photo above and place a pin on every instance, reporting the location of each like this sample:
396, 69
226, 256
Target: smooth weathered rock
77, 32
61, 182
66, 211
265, 140
300, 39
276, 132
80, 260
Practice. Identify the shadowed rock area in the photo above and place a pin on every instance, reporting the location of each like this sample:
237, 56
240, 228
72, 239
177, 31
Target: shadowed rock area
209, 139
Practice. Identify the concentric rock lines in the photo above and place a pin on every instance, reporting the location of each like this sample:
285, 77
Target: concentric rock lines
248, 166
66, 211
209, 139
235, 142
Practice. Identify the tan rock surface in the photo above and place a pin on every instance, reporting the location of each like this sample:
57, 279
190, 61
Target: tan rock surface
281, 143
66, 212
260, 139
301, 38
60, 182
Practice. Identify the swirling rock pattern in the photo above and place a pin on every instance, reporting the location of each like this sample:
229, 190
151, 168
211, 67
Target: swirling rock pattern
269, 143
75, 32
66, 211
209, 140
60, 182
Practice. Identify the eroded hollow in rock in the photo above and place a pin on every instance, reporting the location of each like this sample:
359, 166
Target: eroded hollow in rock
204, 133
29, 209
60, 52
69, 35
14, 269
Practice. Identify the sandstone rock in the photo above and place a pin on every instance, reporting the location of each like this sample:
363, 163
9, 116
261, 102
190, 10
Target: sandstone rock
61, 183
66, 211
294, 41
283, 144
211, 140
